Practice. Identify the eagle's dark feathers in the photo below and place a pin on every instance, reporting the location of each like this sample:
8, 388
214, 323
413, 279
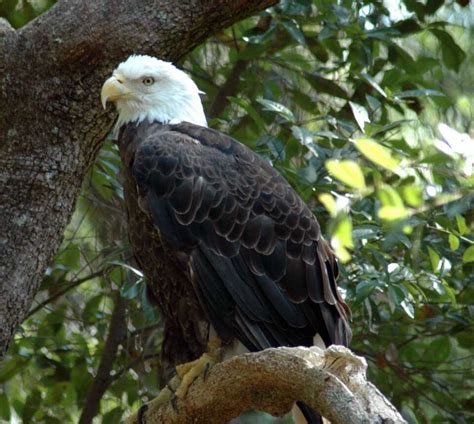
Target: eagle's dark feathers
260, 267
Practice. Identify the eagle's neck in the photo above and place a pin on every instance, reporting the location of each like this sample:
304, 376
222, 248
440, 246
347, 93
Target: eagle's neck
184, 108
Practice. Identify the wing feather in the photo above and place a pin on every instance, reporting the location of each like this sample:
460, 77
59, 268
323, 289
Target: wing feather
261, 268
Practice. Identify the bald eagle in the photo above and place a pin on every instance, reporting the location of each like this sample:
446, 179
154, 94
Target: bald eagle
227, 245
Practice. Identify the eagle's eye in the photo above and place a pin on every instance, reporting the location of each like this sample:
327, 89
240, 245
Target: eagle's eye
148, 80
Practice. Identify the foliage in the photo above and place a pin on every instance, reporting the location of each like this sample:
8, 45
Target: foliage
356, 105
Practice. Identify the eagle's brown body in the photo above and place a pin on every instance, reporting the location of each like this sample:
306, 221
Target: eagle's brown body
225, 241
185, 326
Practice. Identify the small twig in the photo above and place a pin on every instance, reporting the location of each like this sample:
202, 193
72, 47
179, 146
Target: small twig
70, 286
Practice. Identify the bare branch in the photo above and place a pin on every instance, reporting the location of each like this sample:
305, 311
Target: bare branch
332, 382
70, 285
103, 379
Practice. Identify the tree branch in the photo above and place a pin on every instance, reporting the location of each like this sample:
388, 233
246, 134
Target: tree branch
70, 285
332, 382
103, 379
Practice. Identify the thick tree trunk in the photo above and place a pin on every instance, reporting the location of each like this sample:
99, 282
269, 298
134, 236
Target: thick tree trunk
51, 122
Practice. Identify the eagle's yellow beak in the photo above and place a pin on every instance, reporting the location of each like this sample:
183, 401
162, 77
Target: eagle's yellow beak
112, 90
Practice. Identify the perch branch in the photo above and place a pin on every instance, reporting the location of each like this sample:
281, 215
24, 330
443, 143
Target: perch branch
332, 382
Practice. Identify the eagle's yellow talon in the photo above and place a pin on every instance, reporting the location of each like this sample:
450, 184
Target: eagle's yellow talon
189, 371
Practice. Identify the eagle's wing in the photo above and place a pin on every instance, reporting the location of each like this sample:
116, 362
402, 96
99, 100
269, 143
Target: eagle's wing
262, 270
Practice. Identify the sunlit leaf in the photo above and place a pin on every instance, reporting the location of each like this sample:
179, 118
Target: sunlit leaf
342, 238
413, 195
393, 213
347, 171
468, 255
376, 153
389, 197
329, 203
461, 223
453, 242
434, 259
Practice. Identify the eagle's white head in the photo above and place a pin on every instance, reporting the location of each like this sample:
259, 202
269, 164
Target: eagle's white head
144, 87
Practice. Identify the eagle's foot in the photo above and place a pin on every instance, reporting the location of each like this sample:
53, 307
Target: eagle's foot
166, 396
189, 371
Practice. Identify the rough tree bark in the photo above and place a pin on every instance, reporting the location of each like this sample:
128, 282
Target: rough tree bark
51, 122
331, 381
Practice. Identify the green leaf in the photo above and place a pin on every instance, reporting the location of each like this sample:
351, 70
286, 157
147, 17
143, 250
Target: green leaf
432, 6
408, 26
294, 30
4, 407
89, 314
389, 197
342, 238
468, 255
439, 349
408, 308
305, 137
324, 85
329, 203
377, 153
69, 258
434, 259
81, 379
392, 208
247, 107
131, 289
32, 404
113, 416
462, 227
347, 171
11, 367
452, 54
393, 213
278, 108
373, 83
413, 195
364, 289
453, 242
365, 232
360, 114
